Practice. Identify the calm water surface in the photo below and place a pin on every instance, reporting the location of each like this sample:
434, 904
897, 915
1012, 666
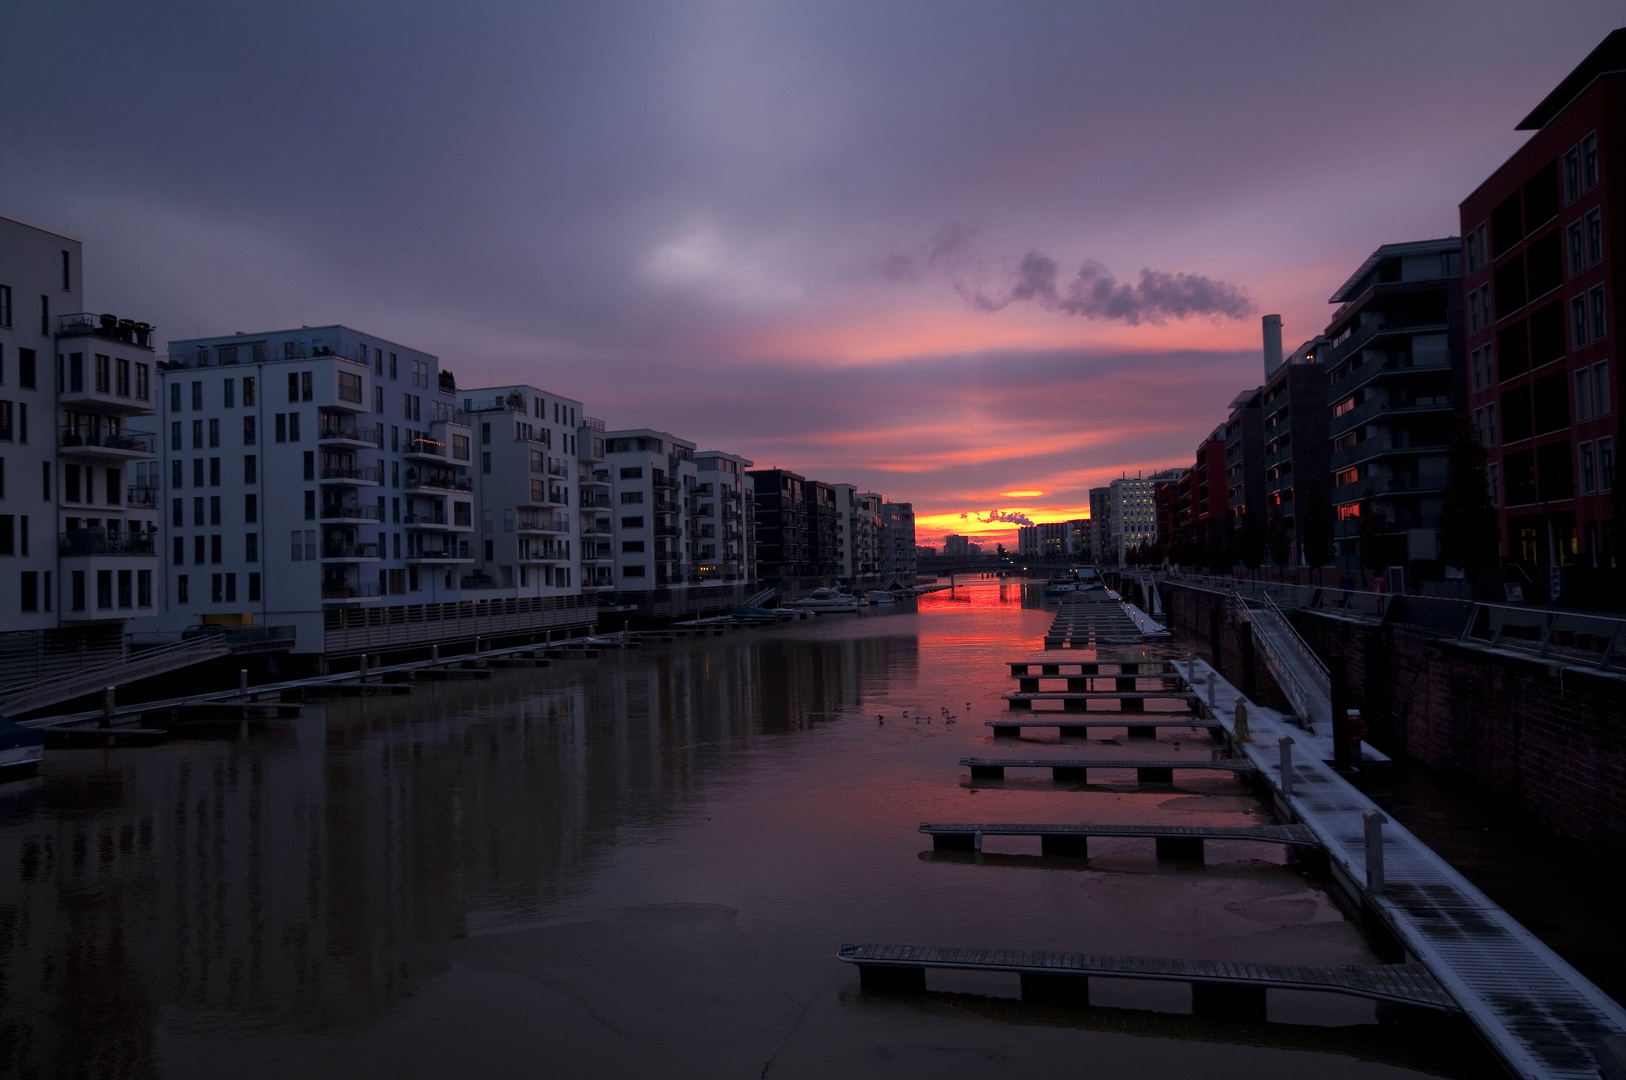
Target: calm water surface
643, 865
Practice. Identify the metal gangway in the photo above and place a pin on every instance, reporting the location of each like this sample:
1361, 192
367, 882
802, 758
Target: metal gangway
1295, 666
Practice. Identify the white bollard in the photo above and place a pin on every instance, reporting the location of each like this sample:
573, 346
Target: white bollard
976, 840
1211, 691
1285, 743
363, 668
434, 652
1374, 851
242, 681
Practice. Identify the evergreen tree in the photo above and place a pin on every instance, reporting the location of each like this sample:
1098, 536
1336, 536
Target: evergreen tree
1468, 535
1314, 518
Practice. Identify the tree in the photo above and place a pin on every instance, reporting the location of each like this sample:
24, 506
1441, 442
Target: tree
1468, 534
1314, 515
1374, 534
999, 550
1250, 543
1280, 548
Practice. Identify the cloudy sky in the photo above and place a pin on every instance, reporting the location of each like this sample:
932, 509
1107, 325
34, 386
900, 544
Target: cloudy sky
979, 257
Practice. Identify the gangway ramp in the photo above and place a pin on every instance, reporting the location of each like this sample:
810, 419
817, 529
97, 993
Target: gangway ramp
1295, 666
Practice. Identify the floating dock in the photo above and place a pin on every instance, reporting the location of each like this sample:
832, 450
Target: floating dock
1155, 771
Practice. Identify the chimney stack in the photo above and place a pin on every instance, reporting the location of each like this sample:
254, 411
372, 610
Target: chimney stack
1273, 344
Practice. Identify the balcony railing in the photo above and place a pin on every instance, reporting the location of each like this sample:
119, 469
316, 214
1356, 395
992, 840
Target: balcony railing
594, 423
531, 521
370, 474
259, 352
350, 513
346, 591
350, 551
438, 479
141, 496
431, 447
331, 427
424, 519
110, 327
104, 542
138, 442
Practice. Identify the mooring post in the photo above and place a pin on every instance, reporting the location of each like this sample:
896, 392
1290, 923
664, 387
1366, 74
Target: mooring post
242, 681
1374, 851
976, 840
363, 668
1285, 743
434, 653
108, 705
1244, 633
1338, 679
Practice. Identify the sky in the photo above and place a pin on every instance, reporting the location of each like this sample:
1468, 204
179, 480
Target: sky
976, 257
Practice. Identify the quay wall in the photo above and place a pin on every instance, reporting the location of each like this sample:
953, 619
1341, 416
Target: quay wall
1548, 736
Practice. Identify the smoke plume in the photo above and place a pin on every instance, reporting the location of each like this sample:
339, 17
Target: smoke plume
1012, 516
1095, 294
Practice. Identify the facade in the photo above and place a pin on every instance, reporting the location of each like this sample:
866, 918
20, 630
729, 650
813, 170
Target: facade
595, 515
323, 460
1101, 524
653, 479
781, 524
1078, 539
1294, 400
1395, 358
1201, 511
824, 554
529, 533
79, 472
956, 546
1133, 517
859, 525
725, 504
1541, 289
1027, 540
897, 546
1245, 458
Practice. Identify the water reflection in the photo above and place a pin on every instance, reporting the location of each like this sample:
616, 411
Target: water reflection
357, 889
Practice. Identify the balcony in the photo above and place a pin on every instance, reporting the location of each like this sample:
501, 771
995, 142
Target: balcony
666, 530
106, 444
257, 352
140, 498
599, 527
343, 514
81, 542
445, 555
558, 468
420, 449
350, 552
431, 480
352, 475
543, 553
1379, 407
343, 431
591, 500
533, 521
337, 592
1379, 365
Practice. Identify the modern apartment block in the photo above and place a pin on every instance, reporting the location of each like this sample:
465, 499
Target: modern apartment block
897, 543
725, 504
652, 502
782, 526
1395, 356
1199, 510
824, 554
1133, 514
1541, 289
1245, 458
859, 521
528, 541
305, 471
1294, 400
78, 463
595, 512
1101, 523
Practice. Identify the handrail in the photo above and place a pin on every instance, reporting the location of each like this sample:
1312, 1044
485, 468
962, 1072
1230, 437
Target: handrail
1309, 653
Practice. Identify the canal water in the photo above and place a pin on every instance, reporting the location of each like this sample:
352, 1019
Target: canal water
643, 865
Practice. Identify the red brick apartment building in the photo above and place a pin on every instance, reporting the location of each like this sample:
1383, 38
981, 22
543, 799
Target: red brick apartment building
1542, 295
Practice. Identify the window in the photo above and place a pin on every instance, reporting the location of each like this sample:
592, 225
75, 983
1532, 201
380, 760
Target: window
1474, 246
1599, 323
214, 509
175, 474
1589, 161
349, 387
1600, 389
460, 447
248, 391
632, 523
1493, 473
485, 461
1594, 237
121, 378
293, 427
1577, 246
26, 375
126, 597
144, 588
214, 548
1572, 176
1583, 395
182, 592
1588, 473
306, 385
216, 589
630, 546
178, 551
251, 508
310, 506
378, 399
1579, 323
296, 545
104, 588
632, 571
197, 397
250, 469
293, 386
310, 465
228, 390
5, 305
30, 591
254, 588
1606, 464
634, 473
629, 498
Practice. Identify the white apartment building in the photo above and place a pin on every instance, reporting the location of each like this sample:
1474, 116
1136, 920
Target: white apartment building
1133, 514
652, 484
308, 471
859, 532
723, 506
78, 464
529, 531
597, 530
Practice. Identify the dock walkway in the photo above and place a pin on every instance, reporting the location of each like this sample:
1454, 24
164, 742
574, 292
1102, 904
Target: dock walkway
1148, 771
1173, 841
1541, 1016
903, 967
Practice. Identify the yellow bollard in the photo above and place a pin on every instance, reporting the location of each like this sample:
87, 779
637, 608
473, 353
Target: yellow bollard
1240, 729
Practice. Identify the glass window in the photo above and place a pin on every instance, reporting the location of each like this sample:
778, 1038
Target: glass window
1588, 477
1600, 389
1589, 160
1583, 394
1594, 237
1599, 323
1577, 249
1606, 464
1572, 175
1578, 321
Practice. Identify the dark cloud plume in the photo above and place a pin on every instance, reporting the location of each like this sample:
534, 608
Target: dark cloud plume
1095, 294
1012, 516
947, 250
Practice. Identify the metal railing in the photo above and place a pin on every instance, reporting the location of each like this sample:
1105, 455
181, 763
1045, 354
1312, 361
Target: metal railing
110, 327
1597, 639
371, 474
438, 480
350, 513
140, 442
428, 447
141, 496
541, 522
104, 542
346, 591
28, 696
350, 551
